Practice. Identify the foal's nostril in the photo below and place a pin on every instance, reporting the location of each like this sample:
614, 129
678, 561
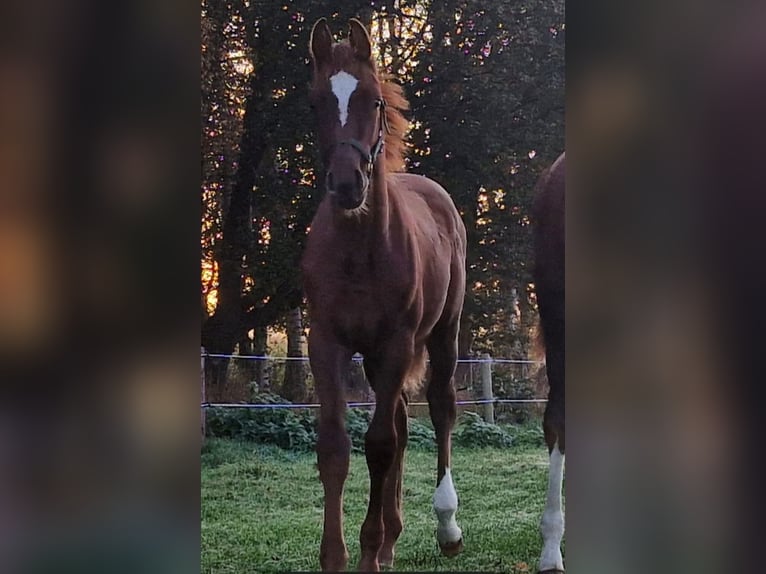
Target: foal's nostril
360, 179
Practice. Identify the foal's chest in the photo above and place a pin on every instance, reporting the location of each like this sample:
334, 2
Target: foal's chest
367, 297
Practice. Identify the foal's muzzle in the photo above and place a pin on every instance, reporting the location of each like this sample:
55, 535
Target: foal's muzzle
346, 182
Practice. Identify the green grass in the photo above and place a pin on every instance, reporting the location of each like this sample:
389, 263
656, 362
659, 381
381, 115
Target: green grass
262, 509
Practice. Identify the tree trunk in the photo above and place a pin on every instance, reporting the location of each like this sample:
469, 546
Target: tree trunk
247, 367
294, 387
227, 325
260, 367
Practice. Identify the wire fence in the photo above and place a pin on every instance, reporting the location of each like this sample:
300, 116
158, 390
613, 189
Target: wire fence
356, 405
507, 387
360, 359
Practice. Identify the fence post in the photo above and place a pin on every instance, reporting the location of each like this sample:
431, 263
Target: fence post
202, 379
486, 385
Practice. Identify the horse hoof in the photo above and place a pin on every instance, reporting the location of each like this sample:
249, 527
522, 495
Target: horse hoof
451, 549
386, 561
550, 571
367, 566
338, 564
334, 567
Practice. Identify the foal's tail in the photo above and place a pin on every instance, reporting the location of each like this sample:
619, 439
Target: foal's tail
414, 379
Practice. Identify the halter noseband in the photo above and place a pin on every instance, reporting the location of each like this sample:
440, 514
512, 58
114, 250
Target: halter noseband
370, 156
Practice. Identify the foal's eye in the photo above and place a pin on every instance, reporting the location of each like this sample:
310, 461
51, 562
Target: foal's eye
378, 104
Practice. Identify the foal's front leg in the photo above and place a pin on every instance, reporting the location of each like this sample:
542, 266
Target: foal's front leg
329, 364
392, 491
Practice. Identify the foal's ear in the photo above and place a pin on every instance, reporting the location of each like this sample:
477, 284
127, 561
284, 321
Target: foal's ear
321, 43
359, 39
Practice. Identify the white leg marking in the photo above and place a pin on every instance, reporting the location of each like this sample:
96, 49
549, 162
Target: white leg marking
552, 524
445, 505
343, 85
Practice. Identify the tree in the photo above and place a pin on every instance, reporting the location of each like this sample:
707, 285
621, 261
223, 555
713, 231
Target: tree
266, 205
488, 97
294, 386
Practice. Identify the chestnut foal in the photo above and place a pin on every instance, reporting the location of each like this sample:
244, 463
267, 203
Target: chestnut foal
384, 275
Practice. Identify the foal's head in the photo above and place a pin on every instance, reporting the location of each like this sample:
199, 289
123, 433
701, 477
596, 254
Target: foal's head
348, 104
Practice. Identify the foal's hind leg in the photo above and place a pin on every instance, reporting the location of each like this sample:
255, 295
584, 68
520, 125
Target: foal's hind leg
392, 493
442, 348
552, 523
380, 444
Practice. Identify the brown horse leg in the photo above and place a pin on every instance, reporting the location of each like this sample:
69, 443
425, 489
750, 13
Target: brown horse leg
442, 348
552, 523
392, 493
328, 361
380, 444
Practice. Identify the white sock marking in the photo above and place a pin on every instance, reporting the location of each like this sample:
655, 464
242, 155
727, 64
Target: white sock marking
552, 523
343, 85
445, 506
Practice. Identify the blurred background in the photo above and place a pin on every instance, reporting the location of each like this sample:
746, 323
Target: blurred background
98, 234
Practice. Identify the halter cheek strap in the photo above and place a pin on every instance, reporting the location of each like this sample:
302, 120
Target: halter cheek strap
372, 155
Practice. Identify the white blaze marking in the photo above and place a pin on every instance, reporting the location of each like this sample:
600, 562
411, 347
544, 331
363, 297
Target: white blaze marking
343, 85
445, 506
552, 523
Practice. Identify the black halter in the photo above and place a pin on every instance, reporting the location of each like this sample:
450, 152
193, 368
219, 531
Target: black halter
370, 156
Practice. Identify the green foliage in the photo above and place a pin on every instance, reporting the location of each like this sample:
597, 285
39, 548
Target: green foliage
286, 428
473, 431
421, 435
357, 421
265, 397
529, 435
281, 427
297, 430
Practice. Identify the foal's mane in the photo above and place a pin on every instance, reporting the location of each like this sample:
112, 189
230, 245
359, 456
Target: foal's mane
396, 103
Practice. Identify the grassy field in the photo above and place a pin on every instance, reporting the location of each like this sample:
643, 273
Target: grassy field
262, 509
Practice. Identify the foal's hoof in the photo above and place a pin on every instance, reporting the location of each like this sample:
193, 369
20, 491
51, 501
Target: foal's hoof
368, 566
451, 549
336, 563
386, 560
550, 571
